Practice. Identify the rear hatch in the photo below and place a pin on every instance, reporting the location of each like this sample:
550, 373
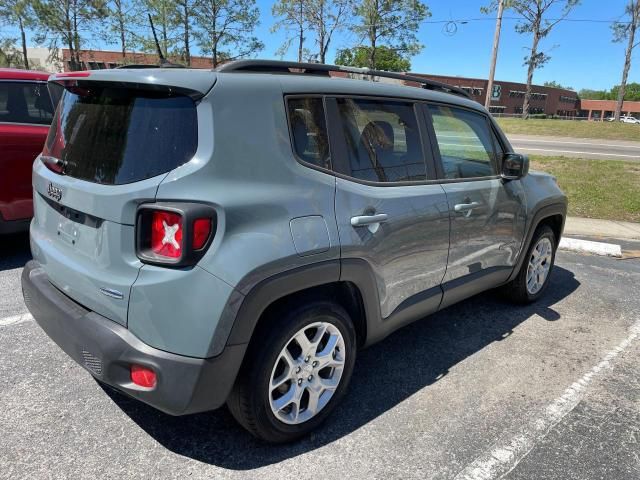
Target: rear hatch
113, 139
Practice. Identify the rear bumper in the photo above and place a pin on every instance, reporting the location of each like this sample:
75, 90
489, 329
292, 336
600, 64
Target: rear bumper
106, 350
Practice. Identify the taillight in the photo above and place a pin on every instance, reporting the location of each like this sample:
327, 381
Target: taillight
201, 232
174, 233
166, 234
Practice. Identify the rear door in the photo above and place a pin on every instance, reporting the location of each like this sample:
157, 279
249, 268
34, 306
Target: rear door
109, 148
487, 213
388, 212
25, 115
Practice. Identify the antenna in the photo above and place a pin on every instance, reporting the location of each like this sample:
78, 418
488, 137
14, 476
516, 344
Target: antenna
155, 38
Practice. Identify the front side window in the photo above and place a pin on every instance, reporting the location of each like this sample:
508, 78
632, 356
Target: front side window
382, 140
25, 102
309, 130
465, 142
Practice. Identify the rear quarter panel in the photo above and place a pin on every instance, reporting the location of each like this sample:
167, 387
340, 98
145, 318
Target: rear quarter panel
245, 168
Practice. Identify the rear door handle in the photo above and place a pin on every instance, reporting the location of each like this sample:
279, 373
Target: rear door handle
364, 220
465, 207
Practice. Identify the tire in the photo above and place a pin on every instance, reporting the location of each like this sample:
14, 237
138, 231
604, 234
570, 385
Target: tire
518, 289
254, 402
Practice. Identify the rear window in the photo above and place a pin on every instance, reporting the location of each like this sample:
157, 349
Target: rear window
25, 102
115, 136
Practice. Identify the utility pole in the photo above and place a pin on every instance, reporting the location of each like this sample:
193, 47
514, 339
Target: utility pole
494, 54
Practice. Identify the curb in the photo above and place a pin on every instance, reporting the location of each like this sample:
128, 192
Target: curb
587, 246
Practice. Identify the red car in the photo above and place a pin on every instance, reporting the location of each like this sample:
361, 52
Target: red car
26, 111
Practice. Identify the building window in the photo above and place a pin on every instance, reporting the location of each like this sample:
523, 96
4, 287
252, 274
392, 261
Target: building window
565, 99
474, 91
534, 96
497, 109
532, 110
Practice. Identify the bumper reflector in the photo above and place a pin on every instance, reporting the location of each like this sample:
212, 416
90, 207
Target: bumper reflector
143, 376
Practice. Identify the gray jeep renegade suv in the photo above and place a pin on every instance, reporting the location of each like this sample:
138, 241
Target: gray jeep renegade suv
203, 237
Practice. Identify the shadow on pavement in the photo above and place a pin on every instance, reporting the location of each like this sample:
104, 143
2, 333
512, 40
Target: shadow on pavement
15, 251
385, 375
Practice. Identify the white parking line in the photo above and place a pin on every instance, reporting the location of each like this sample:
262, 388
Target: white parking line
532, 140
514, 446
523, 148
15, 319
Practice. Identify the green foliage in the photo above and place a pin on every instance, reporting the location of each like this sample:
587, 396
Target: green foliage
393, 23
17, 13
291, 18
9, 56
165, 16
121, 15
621, 30
325, 17
65, 21
226, 29
386, 59
631, 93
555, 84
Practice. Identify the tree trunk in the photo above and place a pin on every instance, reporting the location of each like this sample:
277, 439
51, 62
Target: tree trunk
165, 42
372, 53
25, 58
322, 29
627, 61
530, 70
301, 37
76, 38
123, 44
187, 52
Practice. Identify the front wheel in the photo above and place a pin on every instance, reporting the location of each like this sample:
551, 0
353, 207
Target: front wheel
534, 274
297, 371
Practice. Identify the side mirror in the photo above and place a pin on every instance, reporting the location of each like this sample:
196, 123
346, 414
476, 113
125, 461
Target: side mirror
514, 166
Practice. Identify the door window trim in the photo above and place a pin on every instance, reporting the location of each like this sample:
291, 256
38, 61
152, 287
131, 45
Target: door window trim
436, 148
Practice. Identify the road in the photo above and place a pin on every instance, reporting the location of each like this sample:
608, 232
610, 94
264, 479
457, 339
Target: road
577, 147
480, 390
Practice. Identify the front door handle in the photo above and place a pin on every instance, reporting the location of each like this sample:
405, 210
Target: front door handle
465, 207
365, 220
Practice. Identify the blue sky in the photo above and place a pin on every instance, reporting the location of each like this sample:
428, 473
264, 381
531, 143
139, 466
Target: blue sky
583, 55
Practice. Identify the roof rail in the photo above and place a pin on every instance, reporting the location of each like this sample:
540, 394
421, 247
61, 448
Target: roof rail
278, 66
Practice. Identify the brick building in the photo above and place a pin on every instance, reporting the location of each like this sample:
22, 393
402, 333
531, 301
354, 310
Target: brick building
101, 59
508, 97
601, 109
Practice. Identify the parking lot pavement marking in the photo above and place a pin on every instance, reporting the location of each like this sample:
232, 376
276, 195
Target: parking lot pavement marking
15, 319
587, 246
513, 446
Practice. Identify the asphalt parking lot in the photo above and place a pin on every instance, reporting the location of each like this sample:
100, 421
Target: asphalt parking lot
482, 390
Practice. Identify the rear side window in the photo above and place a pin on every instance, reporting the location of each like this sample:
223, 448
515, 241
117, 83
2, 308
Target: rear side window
115, 136
309, 130
25, 102
382, 140
465, 142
